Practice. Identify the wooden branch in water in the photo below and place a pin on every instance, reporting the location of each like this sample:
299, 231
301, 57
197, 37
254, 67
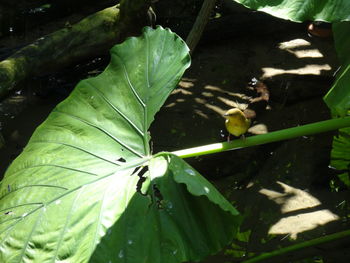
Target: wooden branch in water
91, 36
200, 23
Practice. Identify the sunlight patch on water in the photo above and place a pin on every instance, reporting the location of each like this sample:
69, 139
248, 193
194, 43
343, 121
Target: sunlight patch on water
292, 200
258, 129
295, 43
312, 69
300, 48
293, 225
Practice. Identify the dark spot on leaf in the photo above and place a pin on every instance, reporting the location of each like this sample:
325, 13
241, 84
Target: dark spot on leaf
121, 159
158, 196
157, 192
143, 170
140, 172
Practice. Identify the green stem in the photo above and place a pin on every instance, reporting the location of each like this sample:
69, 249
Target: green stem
302, 245
313, 128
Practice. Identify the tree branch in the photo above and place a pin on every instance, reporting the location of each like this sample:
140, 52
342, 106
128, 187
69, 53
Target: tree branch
91, 36
200, 23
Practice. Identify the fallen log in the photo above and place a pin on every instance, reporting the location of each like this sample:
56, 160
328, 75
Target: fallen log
92, 36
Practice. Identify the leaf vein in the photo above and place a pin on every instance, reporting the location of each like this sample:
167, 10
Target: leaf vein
116, 109
30, 235
102, 130
94, 239
60, 238
52, 165
128, 79
32, 185
79, 149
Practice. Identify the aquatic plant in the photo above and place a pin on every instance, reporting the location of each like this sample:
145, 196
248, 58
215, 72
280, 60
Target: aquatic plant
87, 188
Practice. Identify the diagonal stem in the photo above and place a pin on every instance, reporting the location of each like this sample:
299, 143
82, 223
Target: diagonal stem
302, 245
290, 133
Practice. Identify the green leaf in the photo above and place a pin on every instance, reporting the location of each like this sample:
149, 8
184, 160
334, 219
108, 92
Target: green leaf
182, 217
62, 193
77, 192
340, 155
302, 10
338, 98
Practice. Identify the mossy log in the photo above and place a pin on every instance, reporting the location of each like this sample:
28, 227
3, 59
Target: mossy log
92, 36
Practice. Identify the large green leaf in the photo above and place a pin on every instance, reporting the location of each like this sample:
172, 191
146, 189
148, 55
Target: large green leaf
182, 217
302, 10
75, 194
338, 100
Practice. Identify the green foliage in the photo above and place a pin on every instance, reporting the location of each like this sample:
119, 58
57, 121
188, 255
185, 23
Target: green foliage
299, 11
182, 218
338, 100
340, 155
86, 188
76, 193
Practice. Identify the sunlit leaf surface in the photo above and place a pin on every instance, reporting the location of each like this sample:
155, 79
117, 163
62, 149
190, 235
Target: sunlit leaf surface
302, 10
75, 193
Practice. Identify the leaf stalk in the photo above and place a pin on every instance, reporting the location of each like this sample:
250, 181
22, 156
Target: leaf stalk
302, 245
285, 134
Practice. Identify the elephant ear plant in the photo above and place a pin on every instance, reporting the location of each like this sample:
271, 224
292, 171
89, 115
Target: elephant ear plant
86, 187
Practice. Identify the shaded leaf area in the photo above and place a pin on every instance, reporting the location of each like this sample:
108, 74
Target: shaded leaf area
78, 172
338, 98
302, 10
181, 217
340, 155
